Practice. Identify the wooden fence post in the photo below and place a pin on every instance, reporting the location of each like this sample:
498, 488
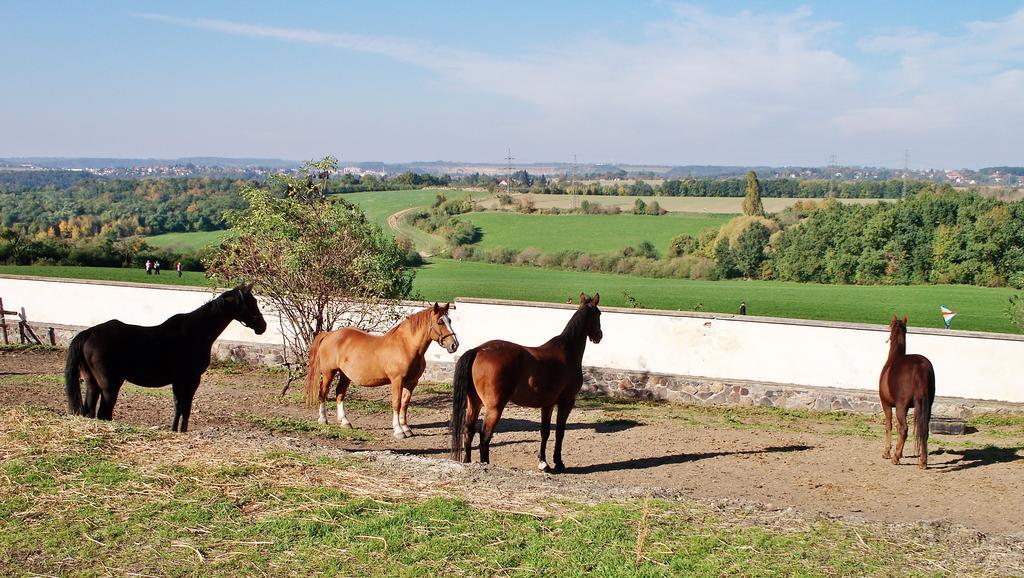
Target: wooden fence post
3, 321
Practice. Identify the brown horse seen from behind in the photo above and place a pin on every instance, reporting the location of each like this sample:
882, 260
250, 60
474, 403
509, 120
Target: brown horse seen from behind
395, 358
907, 381
544, 377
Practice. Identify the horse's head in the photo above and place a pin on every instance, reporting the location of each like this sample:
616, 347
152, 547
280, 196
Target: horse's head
593, 316
441, 328
898, 332
244, 309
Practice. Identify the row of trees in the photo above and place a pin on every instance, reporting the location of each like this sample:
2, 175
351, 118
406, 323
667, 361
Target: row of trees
76, 207
736, 187
16, 248
439, 220
937, 235
121, 208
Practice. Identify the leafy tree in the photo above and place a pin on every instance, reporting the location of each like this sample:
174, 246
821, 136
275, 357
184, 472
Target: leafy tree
653, 208
752, 201
682, 244
1015, 311
646, 249
316, 260
725, 260
749, 254
639, 207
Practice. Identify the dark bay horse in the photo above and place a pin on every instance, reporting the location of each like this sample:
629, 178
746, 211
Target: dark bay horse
176, 352
907, 381
545, 377
395, 358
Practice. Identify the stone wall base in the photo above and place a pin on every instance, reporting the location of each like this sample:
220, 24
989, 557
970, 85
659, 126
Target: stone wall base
647, 386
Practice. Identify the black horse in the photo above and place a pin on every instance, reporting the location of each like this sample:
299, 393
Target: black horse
176, 352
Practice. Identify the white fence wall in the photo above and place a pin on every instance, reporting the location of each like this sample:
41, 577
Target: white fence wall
849, 356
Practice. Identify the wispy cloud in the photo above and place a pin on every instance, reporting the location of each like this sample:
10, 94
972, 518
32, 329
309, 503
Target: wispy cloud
764, 63
699, 81
961, 86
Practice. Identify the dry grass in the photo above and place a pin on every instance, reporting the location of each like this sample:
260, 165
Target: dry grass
78, 493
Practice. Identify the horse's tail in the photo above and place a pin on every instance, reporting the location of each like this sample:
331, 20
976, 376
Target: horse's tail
461, 383
922, 416
313, 370
72, 375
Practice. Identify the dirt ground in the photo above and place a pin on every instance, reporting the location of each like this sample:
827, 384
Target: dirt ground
827, 465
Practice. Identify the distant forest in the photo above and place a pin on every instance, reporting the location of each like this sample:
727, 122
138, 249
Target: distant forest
74, 204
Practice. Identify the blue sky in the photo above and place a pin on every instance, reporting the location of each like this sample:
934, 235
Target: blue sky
638, 82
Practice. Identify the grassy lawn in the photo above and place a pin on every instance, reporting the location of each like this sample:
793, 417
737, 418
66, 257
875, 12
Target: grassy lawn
189, 278
680, 204
102, 498
186, 241
981, 308
592, 233
378, 205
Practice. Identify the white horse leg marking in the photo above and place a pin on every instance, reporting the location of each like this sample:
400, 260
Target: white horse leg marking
342, 420
396, 426
542, 466
403, 417
323, 413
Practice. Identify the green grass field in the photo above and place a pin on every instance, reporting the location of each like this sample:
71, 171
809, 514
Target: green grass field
591, 233
186, 241
674, 204
188, 278
378, 205
81, 497
980, 308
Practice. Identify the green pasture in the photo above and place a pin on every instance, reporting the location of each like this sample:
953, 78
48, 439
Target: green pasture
980, 308
590, 233
95, 499
673, 204
192, 241
378, 206
166, 277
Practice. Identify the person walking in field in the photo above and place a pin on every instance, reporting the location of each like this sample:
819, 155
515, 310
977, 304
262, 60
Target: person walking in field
149, 267
156, 267
177, 267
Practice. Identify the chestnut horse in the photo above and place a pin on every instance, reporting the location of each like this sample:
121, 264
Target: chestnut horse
907, 381
394, 358
176, 352
545, 377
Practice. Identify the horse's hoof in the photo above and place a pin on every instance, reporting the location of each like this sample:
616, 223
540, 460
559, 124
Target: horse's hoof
398, 434
408, 433
559, 467
543, 466
895, 461
886, 456
345, 424
322, 421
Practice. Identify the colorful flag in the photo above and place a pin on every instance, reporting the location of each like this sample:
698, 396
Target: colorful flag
947, 315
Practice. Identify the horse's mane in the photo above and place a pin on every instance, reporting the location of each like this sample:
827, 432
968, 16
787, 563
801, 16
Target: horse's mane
577, 325
219, 302
898, 338
414, 321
